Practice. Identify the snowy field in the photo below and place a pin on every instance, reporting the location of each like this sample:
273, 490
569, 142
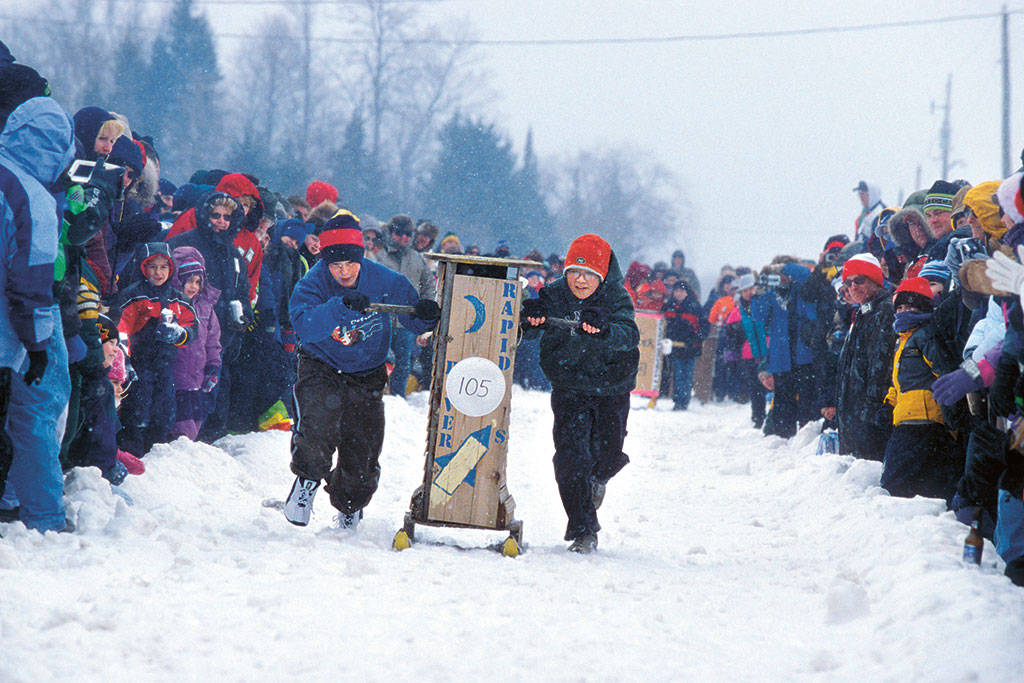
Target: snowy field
725, 556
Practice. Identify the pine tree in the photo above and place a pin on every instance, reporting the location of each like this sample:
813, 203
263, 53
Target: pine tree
473, 190
535, 220
180, 92
130, 67
361, 181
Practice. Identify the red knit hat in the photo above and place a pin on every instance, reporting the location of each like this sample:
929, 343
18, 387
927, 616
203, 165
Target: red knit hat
915, 291
319, 192
590, 253
864, 264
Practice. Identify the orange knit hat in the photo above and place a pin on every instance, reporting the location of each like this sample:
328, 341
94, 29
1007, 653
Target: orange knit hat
590, 253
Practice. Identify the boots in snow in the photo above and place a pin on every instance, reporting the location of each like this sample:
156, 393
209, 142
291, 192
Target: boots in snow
299, 506
585, 544
597, 493
348, 520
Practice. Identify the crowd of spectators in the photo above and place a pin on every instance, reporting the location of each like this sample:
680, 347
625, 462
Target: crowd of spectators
905, 342
137, 311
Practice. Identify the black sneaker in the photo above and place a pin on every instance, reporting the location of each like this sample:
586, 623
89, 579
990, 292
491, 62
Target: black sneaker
585, 544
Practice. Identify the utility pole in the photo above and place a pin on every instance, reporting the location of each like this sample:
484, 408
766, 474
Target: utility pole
1007, 169
946, 131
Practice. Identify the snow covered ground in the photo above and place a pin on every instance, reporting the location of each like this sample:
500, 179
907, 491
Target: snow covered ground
725, 556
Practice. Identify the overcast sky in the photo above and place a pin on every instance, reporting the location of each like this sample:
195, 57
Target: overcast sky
767, 135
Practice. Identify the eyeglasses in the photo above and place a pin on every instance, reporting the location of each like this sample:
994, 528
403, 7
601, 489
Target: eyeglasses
220, 216
858, 280
576, 273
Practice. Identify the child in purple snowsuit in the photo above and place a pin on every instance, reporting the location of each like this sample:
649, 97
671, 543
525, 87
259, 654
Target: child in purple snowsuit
197, 366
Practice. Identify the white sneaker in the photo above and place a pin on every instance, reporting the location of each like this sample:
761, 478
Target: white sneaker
299, 506
347, 520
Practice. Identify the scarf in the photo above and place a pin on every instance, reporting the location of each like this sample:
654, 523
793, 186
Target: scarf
908, 320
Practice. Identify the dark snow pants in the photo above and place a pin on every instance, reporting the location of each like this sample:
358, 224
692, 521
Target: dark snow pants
336, 411
589, 432
921, 460
94, 443
863, 440
147, 412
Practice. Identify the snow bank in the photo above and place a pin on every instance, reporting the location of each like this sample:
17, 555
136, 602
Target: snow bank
724, 556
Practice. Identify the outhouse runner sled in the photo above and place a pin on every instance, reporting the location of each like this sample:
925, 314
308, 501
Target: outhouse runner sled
464, 481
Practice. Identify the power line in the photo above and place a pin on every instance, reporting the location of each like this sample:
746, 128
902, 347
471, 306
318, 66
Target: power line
541, 42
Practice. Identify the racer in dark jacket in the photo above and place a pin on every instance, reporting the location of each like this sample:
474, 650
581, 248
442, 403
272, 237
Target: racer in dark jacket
592, 369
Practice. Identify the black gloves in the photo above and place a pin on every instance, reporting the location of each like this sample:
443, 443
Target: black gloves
356, 301
426, 309
596, 317
534, 308
37, 361
97, 198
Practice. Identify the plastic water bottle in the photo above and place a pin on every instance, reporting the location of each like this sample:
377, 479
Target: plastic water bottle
828, 442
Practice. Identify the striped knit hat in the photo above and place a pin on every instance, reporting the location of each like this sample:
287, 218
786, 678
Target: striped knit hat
935, 271
940, 196
342, 239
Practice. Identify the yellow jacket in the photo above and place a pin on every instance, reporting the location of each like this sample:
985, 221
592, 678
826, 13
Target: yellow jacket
911, 392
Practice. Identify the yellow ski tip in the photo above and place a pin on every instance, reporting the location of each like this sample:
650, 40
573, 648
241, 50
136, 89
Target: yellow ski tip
401, 541
510, 548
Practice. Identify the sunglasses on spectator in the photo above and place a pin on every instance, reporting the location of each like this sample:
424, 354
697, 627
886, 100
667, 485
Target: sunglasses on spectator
220, 216
968, 212
856, 280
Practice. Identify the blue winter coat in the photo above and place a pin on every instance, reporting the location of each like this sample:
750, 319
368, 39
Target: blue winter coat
36, 145
785, 349
346, 340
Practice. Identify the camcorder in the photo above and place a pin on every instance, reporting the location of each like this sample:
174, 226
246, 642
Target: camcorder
82, 171
770, 279
98, 173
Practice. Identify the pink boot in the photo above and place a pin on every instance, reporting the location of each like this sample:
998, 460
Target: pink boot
130, 462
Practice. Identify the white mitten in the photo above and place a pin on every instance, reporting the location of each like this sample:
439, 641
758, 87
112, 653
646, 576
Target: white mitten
1005, 273
666, 347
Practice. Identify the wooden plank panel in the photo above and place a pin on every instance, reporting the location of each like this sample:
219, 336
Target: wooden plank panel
469, 452
648, 375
